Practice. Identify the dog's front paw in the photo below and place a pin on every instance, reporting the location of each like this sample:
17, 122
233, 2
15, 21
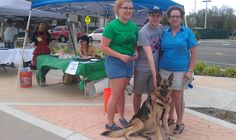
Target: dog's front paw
171, 137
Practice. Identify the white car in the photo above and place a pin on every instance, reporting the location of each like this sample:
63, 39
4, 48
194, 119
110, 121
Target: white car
96, 35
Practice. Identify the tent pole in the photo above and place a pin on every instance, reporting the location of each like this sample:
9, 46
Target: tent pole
1, 30
23, 49
185, 19
71, 36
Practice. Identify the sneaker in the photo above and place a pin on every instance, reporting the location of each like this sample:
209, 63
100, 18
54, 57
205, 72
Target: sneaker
40, 82
112, 127
43, 83
123, 122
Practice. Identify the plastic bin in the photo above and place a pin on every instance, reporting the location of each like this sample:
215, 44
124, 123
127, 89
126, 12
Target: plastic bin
26, 79
106, 95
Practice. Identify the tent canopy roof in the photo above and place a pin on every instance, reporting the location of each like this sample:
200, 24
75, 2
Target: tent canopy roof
97, 7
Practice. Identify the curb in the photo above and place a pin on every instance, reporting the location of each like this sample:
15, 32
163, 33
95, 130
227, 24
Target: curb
211, 119
59, 131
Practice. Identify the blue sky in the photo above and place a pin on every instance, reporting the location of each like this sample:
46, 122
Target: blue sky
189, 4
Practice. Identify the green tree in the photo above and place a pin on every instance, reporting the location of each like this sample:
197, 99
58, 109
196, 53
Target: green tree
217, 18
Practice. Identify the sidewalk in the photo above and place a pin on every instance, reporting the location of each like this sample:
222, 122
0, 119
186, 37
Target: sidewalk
64, 111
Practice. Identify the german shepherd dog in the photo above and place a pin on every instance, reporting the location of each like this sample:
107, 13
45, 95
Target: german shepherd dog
154, 110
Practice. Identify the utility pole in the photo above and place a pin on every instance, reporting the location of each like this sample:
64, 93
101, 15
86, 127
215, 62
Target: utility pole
206, 1
195, 2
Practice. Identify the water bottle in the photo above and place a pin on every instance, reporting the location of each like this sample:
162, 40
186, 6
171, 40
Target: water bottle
188, 83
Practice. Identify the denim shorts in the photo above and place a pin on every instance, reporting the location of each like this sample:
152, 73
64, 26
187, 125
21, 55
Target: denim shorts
116, 68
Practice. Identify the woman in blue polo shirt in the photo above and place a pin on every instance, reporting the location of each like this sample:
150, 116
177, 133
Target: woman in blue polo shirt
178, 56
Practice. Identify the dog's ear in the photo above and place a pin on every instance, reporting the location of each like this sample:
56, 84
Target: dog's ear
170, 78
158, 78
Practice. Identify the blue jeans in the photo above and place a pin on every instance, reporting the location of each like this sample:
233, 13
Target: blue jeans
116, 68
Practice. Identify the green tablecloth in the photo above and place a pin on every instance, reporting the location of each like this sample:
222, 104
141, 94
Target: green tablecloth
90, 71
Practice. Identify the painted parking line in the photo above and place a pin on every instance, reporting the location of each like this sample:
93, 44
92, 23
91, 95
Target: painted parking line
217, 53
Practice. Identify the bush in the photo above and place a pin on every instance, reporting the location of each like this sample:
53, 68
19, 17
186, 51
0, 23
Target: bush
212, 71
230, 72
197, 35
199, 67
202, 68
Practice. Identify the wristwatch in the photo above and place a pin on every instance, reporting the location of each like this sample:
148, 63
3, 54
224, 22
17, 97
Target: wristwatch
190, 70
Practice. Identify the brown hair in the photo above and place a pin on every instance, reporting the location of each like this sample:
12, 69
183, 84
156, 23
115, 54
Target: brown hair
118, 3
46, 26
85, 38
172, 8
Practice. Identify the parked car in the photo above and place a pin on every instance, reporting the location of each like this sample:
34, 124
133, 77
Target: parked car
96, 35
62, 33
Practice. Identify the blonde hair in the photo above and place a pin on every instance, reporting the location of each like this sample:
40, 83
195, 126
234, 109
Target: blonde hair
118, 4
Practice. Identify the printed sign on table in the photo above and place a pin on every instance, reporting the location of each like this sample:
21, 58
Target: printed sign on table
72, 67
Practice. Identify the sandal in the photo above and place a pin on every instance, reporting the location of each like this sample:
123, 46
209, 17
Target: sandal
179, 129
123, 122
112, 127
170, 122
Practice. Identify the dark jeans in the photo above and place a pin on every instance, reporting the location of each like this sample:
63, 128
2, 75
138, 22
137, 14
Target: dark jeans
27, 64
41, 74
9, 44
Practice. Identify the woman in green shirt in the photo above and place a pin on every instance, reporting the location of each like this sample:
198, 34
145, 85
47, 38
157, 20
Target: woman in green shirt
118, 43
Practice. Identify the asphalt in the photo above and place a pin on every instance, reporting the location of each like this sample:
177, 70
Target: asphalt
63, 112
13, 128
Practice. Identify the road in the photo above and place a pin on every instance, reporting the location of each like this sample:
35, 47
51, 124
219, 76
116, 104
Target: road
214, 52
12, 128
217, 52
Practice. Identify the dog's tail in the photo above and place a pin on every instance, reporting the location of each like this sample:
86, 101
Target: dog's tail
115, 134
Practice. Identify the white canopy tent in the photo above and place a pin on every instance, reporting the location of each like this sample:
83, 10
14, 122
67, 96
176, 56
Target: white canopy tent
14, 8
22, 8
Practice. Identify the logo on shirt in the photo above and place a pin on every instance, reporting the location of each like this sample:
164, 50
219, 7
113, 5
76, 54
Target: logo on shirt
155, 45
129, 39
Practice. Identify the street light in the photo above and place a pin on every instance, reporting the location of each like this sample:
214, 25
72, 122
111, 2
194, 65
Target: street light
206, 1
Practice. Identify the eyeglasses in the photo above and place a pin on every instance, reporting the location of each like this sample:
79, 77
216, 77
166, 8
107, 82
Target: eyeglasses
127, 8
176, 17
